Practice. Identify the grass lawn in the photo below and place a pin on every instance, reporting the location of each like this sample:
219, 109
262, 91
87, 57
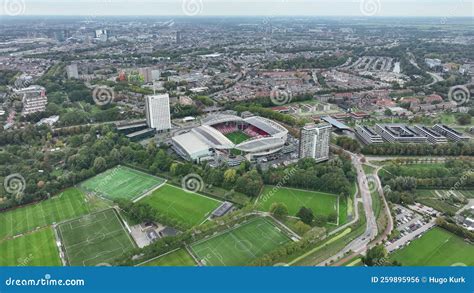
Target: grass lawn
94, 239
436, 247
321, 203
240, 245
121, 183
188, 208
67, 205
467, 193
34, 249
178, 258
237, 137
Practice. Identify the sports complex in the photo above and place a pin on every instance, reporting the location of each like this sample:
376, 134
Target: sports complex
81, 227
231, 135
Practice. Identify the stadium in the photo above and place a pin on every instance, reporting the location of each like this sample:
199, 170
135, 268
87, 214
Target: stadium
231, 135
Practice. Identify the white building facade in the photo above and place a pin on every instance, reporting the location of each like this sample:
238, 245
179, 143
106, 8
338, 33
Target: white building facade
314, 141
158, 114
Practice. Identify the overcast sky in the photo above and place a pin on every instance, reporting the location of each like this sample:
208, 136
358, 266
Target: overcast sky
191, 8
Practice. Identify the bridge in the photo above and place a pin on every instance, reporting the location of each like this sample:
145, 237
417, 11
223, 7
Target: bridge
336, 123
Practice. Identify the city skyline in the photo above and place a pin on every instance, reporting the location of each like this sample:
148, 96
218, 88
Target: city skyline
196, 8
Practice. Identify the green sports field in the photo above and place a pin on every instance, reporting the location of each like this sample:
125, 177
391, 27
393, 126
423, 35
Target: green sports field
33, 249
190, 209
237, 137
94, 239
178, 258
121, 183
436, 247
321, 203
240, 245
67, 205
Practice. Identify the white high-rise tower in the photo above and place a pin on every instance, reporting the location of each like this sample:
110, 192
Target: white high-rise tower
158, 114
314, 141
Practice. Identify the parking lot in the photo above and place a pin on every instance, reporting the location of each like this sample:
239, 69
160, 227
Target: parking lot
410, 224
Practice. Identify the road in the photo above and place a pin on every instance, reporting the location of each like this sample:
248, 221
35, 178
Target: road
436, 78
409, 237
386, 158
360, 244
470, 203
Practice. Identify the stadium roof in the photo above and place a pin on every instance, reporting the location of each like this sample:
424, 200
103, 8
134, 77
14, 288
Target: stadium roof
260, 144
213, 137
266, 125
191, 142
220, 118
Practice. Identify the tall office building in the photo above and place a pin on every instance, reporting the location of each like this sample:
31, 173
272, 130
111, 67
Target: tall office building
34, 99
158, 114
72, 71
314, 141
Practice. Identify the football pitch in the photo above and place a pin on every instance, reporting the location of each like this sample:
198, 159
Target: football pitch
237, 137
34, 249
178, 258
321, 203
121, 183
94, 239
188, 208
436, 247
240, 245
67, 205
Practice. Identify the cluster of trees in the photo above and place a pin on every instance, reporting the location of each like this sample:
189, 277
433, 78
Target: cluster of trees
400, 197
7, 77
377, 256
72, 100
242, 179
454, 173
348, 143
464, 118
80, 156
420, 149
452, 227
144, 213
27, 135
269, 113
335, 176
260, 106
